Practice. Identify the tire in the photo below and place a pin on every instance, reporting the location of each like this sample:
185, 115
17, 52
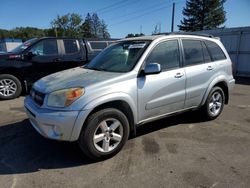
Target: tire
10, 87
104, 134
214, 103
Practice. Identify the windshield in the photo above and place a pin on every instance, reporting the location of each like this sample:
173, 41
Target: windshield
119, 57
24, 45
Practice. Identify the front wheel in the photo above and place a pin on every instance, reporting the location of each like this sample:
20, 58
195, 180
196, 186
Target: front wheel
10, 87
214, 103
105, 134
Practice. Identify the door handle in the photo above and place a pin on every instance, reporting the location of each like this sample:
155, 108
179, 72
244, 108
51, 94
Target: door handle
210, 68
179, 75
56, 59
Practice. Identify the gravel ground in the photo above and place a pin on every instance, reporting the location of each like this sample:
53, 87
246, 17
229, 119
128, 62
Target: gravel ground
180, 151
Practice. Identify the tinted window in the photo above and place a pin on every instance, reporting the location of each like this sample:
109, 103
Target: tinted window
166, 54
70, 46
98, 45
45, 47
215, 51
206, 55
193, 52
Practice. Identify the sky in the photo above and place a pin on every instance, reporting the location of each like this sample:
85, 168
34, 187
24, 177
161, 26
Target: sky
121, 16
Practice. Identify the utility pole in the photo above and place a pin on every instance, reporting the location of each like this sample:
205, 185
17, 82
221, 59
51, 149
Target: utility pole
140, 29
172, 26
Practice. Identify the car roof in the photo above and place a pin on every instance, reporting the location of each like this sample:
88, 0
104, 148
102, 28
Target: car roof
170, 35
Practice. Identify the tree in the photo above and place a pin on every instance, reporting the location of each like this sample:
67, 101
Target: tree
93, 27
86, 27
67, 25
104, 30
203, 14
96, 24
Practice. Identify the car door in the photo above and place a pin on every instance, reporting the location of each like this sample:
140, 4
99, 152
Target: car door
72, 54
162, 93
44, 57
199, 70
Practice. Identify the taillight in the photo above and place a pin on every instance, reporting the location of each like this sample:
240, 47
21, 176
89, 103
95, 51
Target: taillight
14, 56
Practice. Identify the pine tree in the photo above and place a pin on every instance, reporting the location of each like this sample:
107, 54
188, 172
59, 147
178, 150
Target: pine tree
86, 27
203, 14
104, 30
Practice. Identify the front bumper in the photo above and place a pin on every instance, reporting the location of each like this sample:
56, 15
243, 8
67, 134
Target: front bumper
52, 124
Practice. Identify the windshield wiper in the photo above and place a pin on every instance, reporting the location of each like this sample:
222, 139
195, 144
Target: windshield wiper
94, 68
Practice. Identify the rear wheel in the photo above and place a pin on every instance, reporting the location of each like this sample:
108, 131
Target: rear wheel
214, 104
10, 86
105, 134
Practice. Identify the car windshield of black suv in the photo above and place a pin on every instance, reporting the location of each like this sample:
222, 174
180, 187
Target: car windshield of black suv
119, 57
23, 46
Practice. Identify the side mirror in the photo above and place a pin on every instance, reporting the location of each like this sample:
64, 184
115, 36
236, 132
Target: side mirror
29, 55
152, 68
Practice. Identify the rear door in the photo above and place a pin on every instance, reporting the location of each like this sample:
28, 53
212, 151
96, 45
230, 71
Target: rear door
73, 54
162, 93
199, 70
95, 47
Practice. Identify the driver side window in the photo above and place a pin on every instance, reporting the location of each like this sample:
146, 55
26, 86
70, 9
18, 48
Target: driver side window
166, 54
45, 47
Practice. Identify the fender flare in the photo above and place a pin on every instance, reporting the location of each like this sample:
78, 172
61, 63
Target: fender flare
89, 107
217, 80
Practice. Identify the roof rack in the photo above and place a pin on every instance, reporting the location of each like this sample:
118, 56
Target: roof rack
186, 33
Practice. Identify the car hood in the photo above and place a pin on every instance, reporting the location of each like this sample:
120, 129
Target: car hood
76, 77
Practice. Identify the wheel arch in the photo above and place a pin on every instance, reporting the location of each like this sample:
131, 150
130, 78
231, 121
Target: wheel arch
222, 83
121, 105
124, 104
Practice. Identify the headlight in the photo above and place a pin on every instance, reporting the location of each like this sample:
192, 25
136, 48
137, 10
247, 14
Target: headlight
65, 97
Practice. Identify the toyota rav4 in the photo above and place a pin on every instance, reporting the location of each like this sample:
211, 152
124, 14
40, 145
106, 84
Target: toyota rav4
132, 82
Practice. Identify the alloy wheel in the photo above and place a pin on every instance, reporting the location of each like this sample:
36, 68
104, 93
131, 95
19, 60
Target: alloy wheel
215, 103
7, 87
108, 135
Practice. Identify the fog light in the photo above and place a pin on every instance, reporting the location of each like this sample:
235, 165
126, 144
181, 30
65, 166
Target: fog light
57, 131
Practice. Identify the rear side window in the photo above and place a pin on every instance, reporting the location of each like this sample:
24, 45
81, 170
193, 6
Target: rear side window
206, 55
166, 54
215, 51
98, 45
193, 52
70, 46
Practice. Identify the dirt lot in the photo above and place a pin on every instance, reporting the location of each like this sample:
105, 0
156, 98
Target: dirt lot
180, 151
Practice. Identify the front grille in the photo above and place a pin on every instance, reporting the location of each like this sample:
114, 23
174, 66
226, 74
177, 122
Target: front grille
37, 96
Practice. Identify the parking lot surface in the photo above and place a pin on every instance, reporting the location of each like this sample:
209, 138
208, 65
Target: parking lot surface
180, 151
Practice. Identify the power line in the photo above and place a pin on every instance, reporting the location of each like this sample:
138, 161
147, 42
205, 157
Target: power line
111, 6
139, 16
120, 6
139, 10
146, 13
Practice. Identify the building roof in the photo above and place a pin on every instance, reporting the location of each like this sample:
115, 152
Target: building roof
10, 40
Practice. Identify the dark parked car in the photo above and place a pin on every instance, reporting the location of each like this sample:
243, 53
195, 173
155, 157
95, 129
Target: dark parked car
37, 58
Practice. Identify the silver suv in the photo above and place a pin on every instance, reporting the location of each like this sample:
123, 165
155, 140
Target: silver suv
132, 82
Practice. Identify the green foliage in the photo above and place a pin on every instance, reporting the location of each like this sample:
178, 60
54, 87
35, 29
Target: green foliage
93, 27
71, 25
203, 14
67, 25
23, 33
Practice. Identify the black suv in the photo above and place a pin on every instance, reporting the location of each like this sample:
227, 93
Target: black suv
37, 58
